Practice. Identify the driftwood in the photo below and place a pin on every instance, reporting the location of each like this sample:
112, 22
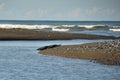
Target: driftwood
47, 47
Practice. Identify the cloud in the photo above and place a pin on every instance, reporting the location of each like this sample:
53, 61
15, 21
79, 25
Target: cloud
76, 12
69, 14
93, 10
109, 11
97, 11
86, 13
38, 12
1, 7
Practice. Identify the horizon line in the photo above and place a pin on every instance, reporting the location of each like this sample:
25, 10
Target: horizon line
55, 20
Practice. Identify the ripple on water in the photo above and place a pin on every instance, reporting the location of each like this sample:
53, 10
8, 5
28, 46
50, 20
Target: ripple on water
19, 60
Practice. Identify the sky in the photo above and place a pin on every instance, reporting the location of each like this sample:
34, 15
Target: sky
72, 10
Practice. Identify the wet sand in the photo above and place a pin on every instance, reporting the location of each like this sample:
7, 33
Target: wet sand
25, 34
107, 52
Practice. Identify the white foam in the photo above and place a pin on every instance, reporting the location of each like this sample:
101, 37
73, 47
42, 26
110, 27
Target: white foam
9, 26
115, 30
68, 25
54, 28
61, 30
91, 26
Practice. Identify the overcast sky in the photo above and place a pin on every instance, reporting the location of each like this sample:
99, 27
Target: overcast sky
60, 10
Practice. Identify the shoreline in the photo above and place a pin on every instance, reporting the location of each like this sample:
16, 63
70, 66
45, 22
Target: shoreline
26, 34
107, 52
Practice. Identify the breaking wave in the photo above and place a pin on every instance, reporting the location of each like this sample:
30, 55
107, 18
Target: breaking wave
59, 27
9, 26
115, 28
62, 29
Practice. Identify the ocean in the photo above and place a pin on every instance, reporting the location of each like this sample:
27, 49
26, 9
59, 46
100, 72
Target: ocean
108, 28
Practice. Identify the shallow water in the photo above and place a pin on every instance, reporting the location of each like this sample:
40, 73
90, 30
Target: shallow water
19, 60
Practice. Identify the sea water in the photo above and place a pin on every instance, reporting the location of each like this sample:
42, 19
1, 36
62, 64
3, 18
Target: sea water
109, 28
19, 60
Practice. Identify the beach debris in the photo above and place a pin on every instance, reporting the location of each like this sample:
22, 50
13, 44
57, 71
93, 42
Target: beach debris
49, 46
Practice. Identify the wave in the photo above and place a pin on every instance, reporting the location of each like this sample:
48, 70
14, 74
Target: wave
115, 26
55, 27
115, 30
93, 26
61, 30
8, 26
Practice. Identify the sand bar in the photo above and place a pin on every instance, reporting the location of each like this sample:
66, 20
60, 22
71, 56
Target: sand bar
107, 52
25, 34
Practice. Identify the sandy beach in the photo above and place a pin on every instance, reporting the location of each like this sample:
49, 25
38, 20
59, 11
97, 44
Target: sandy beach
26, 34
107, 52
